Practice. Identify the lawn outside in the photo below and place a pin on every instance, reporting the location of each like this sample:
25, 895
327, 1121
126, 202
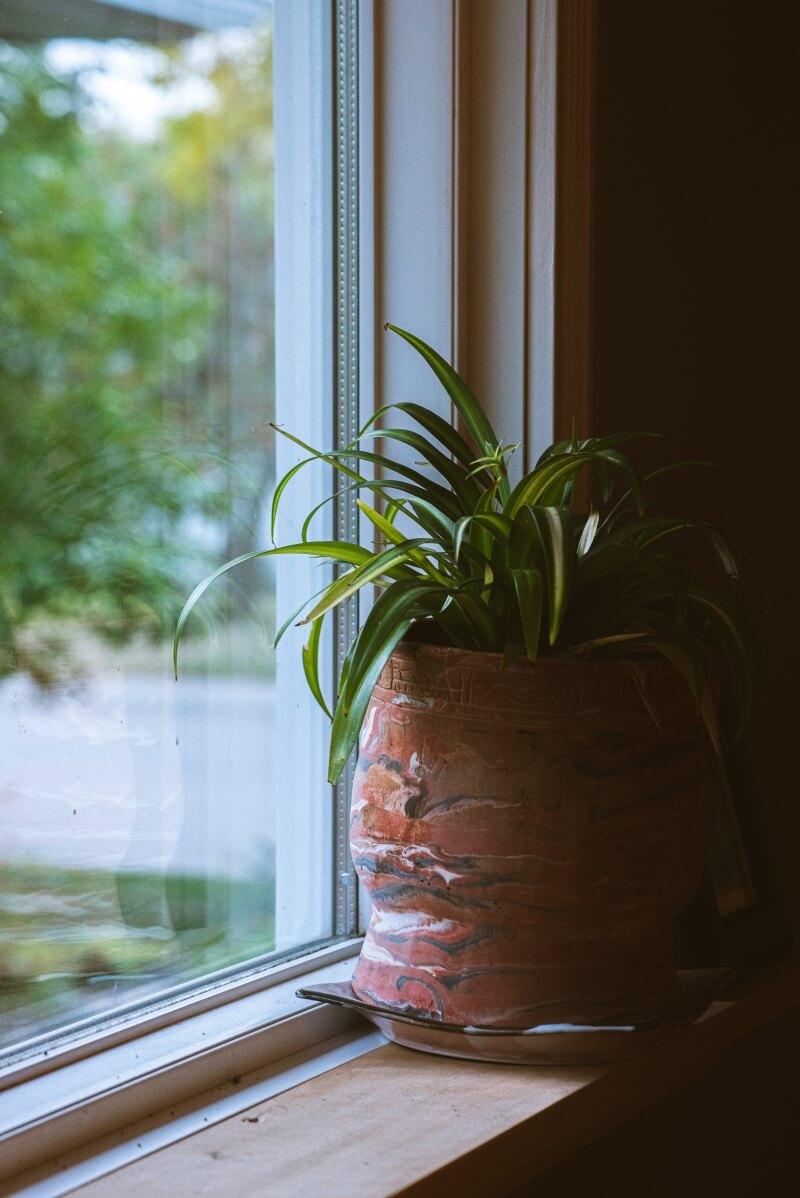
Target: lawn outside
137, 844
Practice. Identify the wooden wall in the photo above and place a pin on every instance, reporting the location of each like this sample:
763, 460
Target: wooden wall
732, 1132
695, 303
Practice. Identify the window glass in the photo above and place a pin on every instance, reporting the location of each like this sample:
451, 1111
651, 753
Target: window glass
137, 366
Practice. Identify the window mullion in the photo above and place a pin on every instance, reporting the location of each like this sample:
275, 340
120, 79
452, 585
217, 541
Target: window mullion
346, 400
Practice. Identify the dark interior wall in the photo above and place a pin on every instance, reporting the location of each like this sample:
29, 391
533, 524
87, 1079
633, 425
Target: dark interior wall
732, 1131
695, 303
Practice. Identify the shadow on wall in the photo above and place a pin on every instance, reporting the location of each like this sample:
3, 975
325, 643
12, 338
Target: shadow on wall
695, 301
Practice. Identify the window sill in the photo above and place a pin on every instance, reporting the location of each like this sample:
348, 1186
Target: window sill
239, 1045
428, 1125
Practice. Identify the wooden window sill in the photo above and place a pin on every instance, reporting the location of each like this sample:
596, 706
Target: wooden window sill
399, 1122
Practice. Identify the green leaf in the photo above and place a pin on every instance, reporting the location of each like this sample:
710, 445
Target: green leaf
642, 533
498, 526
414, 497
311, 665
721, 547
373, 419
290, 620
674, 568
383, 525
611, 515
332, 458
433, 423
349, 584
552, 546
494, 567
348, 490
434, 521
443, 498
425, 487
589, 533
458, 478
529, 586
542, 484
728, 632
386, 624
280, 488
463, 400
689, 667
530, 490
524, 543
417, 556
346, 664
572, 445
488, 635
347, 722
332, 550
555, 528
600, 642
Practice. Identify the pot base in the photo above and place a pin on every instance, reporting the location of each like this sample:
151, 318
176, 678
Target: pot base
542, 1044
583, 986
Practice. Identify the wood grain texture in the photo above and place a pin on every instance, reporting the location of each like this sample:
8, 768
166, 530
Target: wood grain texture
365, 1129
526, 836
398, 1122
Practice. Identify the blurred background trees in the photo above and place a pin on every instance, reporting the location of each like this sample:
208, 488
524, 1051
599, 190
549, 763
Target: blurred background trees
136, 378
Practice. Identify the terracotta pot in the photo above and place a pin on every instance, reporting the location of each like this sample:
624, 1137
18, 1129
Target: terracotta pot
527, 836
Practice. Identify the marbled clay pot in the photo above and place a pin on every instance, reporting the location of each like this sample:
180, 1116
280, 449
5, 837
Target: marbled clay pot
527, 836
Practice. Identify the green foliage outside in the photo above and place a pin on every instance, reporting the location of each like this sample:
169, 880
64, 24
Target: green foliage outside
78, 941
136, 389
136, 353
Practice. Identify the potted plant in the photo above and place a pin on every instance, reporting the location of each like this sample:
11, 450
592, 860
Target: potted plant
535, 693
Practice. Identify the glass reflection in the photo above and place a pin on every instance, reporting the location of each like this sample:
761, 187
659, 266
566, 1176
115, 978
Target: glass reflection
136, 389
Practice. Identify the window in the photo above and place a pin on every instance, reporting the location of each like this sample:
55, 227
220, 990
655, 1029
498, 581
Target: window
154, 834
445, 103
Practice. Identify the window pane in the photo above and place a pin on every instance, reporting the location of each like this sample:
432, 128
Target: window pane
138, 841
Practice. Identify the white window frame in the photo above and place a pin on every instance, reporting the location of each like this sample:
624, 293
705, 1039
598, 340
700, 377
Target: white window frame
315, 380
317, 305
54, 1091
412, 230
305, 398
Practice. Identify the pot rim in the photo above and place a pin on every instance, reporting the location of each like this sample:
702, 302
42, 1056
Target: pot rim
486, 659
466, 681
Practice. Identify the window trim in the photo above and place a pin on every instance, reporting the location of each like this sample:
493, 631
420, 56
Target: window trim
317, 358
346, 176
304, 403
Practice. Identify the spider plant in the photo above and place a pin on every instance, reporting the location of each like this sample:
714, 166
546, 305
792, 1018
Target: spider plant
513, 570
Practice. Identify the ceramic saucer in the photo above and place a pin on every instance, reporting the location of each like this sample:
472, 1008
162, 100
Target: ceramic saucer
546, 1043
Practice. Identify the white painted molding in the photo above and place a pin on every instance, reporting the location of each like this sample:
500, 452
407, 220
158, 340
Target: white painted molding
369, 329
414, 209
304, 403
464, 224
541, 230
